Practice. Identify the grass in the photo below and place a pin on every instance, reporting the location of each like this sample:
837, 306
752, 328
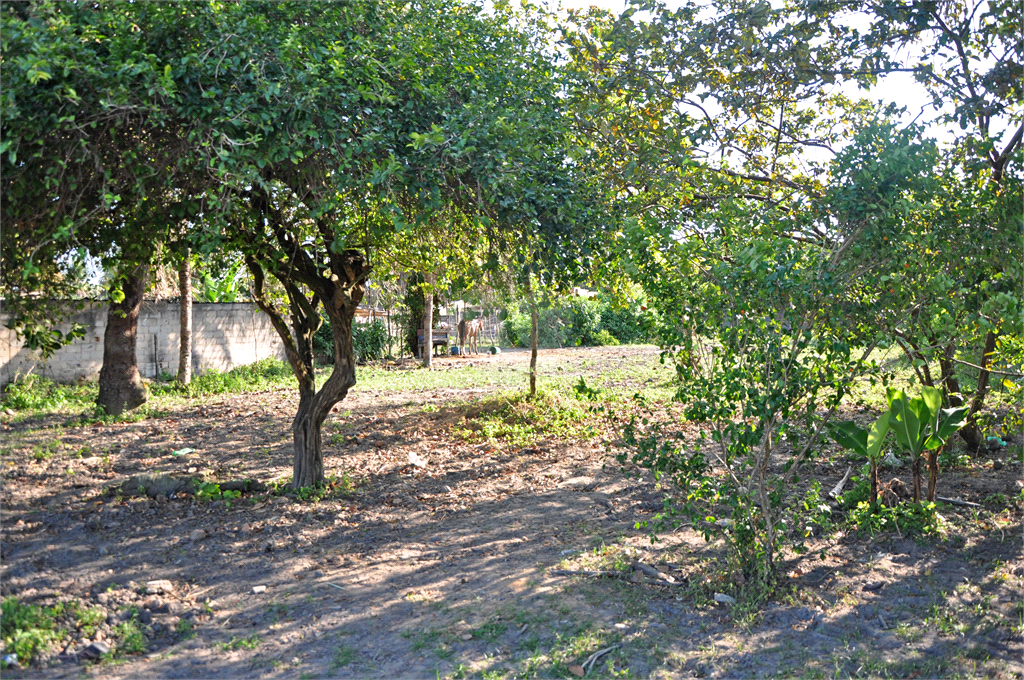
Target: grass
518, 420
236, 643
131, 639
343, 656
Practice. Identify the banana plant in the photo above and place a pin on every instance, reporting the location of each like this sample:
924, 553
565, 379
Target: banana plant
921, 424
865, 442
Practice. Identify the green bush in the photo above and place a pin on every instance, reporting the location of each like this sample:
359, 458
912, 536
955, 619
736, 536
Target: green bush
369, 341
582, 322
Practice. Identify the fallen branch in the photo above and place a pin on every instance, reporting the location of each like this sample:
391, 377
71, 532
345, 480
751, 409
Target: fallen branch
954, 501
570, 572
592, 659
838, 488
648, 570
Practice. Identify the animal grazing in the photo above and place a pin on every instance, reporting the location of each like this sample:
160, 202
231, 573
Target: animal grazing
470, 330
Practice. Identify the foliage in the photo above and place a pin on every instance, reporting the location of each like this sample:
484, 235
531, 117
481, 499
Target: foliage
130, 636
258, 375
370, 341
583, 322
34, 392
902, 518
27, 629
209, 491
225, 288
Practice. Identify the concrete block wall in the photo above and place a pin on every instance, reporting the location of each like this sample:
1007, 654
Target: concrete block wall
224, 335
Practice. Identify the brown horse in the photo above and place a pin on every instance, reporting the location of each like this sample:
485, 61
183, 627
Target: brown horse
470, 330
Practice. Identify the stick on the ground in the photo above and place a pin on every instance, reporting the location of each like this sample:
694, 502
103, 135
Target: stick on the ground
571, 572
838, 489
648, 570
954, 501
597, 655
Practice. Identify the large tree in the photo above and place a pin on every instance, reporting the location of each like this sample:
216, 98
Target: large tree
363, 122
92, 165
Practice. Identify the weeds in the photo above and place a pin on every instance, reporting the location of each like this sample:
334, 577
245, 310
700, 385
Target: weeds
520, 421
28, 630
904, 518
131, 639
36, 393
236, 643
260, 375
343, 656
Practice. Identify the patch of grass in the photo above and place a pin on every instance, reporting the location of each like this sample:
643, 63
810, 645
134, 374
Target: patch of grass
575, 648
908, 633
333, 487
260, 375
89, 620
946, 621
185, 630
131, 639
519, 421
236, 643
343, 656
491, 631
47, 450
36, 393
28, 630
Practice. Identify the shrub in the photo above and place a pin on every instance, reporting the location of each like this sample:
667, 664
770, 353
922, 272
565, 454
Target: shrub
369, 341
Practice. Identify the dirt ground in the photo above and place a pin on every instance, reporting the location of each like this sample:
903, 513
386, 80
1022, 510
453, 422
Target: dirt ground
449, 570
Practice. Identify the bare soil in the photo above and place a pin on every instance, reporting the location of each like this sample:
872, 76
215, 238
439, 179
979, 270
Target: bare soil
446, 570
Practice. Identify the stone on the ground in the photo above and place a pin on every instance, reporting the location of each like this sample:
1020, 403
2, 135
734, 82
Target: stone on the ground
722, 598
259, 589
160, 585
96, 649
197, 535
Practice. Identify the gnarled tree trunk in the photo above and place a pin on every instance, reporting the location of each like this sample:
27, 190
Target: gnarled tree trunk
340, 295
185, 307
121, 385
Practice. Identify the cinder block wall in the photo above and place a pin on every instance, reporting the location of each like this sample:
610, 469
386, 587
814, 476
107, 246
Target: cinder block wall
224, 335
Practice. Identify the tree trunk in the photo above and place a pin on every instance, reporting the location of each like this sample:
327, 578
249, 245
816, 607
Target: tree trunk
534, 322
121, 385
185, 307
971, 433
414, 301
308, 468
874, 481
428, 319
950, 384
916, 469
933, 471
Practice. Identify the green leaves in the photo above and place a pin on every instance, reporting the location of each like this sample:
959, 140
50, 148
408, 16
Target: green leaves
920, 423
867, 443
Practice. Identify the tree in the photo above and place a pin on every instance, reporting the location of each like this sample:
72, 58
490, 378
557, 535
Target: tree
90, 153
343, 138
